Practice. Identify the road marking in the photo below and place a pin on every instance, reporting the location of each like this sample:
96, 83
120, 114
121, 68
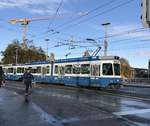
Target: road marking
132, 112
87, 118
70, 120
47, 117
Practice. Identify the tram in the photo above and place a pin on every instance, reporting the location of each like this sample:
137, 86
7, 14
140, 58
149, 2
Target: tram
84, 71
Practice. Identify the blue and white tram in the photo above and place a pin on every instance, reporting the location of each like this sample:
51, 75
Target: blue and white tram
85, 71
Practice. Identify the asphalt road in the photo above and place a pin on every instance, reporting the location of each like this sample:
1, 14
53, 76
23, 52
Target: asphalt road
67, 106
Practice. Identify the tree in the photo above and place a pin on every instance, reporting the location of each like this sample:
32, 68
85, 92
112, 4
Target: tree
23, 55
126, 70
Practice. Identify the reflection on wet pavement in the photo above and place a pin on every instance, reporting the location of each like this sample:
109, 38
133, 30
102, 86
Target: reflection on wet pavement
87, 107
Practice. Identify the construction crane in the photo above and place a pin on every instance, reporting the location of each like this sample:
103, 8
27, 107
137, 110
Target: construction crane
25, 21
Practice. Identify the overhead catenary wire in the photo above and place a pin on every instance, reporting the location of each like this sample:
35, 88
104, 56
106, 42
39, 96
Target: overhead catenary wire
118, 34
89, 12
130, 48
56, 12
132, 31
90, 18
75, 19
85, 20
128, 39
99, 14
100, 42
61, 44
140, 30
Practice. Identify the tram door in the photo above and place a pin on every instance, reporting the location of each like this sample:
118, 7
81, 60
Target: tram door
95, 75
61, 72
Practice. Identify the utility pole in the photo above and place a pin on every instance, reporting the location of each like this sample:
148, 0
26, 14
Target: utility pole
105, 41
47, 44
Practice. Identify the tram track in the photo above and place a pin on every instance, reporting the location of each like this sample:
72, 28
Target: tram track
113, 92
129, 94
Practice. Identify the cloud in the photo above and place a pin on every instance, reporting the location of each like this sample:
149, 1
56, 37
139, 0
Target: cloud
33, 6
145, 53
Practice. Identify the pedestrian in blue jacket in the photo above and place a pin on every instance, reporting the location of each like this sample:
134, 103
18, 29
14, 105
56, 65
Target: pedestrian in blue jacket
27, 78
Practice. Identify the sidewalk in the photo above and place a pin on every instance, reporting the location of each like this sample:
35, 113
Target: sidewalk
14, 111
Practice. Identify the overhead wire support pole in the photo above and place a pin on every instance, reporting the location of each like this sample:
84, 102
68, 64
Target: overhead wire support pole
105, 41
47, 44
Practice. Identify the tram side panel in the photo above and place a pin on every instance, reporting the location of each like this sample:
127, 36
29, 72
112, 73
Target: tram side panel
95, 73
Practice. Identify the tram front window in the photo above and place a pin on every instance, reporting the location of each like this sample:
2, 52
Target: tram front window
107, 69
117, 69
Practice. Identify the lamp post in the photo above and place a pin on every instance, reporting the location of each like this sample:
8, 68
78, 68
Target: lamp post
105, 41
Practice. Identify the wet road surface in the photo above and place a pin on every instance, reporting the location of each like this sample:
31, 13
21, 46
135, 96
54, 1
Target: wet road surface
15, 112
61, 106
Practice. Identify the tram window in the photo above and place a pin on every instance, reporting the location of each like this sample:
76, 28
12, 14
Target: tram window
107, 69
117, 69
56, 69
61, 70
38, 70
95, 70
10, 70
20, 70
43, 70
99, 70
5, 70
14, 71
68, 69
85, 69
76, 69
33, 70
47, 69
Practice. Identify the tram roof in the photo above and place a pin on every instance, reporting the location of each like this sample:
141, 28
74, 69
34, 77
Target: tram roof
80, 59
69, 60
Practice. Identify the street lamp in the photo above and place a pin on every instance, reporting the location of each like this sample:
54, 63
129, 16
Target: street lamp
105, 41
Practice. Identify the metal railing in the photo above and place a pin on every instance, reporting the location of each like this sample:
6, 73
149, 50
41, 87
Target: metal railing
137, 81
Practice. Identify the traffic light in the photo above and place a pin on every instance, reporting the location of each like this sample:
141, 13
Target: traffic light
145, 5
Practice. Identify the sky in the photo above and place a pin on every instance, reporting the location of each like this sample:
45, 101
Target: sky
69, 23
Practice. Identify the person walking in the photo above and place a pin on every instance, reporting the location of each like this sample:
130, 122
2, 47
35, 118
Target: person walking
2, 76
27, 78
